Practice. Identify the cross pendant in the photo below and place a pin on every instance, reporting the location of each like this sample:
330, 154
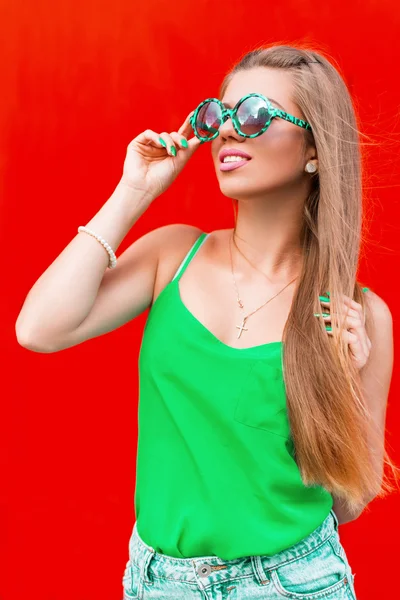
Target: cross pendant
241, 327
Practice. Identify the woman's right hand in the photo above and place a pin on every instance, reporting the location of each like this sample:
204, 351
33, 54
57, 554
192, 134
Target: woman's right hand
149, 167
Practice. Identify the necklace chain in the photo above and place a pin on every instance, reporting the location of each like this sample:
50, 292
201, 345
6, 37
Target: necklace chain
239, 301
248, 260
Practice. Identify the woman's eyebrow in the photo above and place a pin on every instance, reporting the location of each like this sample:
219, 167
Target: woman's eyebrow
229, 105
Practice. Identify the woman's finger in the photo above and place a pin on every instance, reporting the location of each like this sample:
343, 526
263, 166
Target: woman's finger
186, 129
168, 141
180, 140
148, 138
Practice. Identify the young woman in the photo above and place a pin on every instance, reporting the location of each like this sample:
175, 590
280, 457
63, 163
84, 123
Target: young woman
265, 367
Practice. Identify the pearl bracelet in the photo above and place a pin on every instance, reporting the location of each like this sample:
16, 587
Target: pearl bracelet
113, 259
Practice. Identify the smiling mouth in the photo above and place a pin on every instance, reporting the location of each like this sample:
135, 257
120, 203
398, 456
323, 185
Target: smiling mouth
236, 158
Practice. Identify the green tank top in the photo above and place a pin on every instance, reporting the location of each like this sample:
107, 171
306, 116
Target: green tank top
215, 471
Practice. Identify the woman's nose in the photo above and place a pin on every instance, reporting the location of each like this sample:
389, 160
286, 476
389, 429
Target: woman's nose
227, 130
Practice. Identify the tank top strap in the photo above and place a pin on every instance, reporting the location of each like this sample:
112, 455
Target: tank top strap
190, 255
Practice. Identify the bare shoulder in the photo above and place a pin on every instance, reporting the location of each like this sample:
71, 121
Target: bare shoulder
177, 240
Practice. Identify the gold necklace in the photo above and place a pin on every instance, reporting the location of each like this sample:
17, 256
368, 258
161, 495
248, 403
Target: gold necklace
239, 301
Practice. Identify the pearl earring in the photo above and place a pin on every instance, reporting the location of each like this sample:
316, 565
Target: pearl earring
311, 167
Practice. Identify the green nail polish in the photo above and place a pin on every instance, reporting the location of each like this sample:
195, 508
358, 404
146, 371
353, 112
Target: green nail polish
328, 328
323, 314
324, 299
365, 289
173, 150
185, 144
162, 142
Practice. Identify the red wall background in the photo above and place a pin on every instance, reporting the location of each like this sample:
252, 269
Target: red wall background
80, 80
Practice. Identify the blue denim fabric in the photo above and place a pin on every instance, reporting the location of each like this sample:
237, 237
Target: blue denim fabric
316, 567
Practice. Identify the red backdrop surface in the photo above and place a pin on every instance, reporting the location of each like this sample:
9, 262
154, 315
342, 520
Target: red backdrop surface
79, 81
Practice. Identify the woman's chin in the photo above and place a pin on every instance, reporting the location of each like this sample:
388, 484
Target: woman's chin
243, 184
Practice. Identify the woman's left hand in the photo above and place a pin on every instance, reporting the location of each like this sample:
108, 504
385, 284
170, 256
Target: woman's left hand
355, 333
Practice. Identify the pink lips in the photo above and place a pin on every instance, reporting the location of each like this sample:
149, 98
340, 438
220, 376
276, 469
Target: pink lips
232, 152
230, 166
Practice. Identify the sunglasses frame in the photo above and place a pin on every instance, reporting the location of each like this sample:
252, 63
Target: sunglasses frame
232, 113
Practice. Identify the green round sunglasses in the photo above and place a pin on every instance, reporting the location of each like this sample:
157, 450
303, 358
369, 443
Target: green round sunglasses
251, 116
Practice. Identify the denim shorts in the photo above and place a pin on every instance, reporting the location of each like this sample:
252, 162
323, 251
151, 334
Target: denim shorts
316, 567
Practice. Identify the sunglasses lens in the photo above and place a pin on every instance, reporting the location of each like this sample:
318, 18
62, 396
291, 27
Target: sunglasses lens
252, 115
209, 119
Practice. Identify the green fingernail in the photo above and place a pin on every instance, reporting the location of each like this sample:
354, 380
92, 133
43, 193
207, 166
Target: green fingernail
328, 328
185, 144
162, 142
365, 289
324, 299
173, 150
323, 314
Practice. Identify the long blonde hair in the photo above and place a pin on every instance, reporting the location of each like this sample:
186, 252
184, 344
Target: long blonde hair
331, 425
